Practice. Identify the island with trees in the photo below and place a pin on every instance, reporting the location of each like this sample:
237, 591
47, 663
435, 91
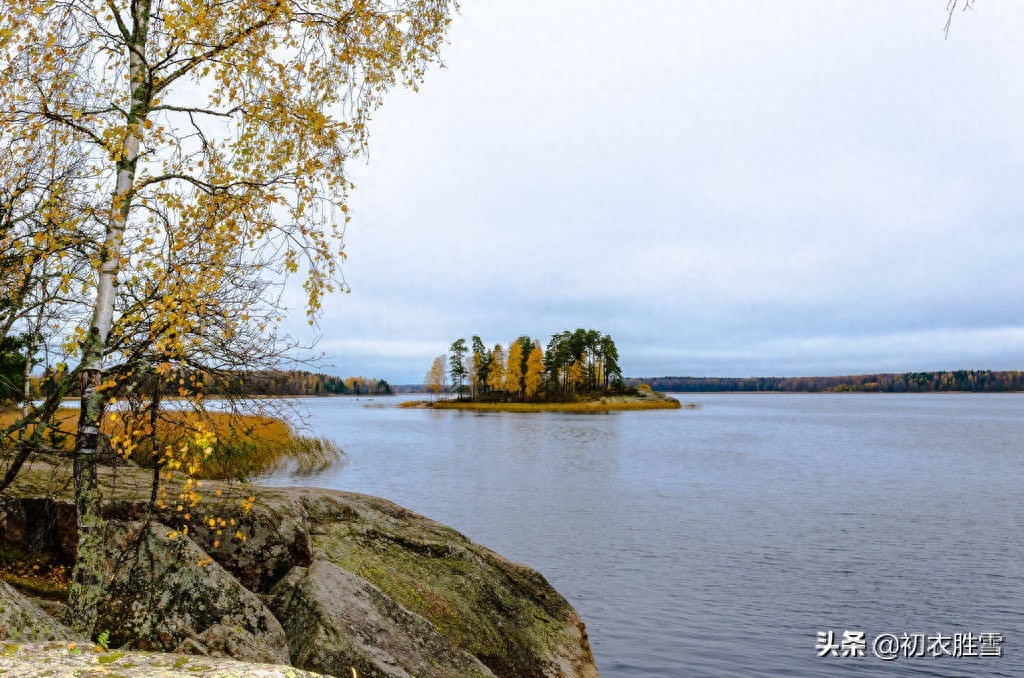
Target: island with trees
578, 371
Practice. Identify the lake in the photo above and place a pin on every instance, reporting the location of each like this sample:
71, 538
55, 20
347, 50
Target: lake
721, 541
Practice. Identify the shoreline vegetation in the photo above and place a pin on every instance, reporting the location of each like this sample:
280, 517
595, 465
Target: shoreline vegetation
245, 445
617, 403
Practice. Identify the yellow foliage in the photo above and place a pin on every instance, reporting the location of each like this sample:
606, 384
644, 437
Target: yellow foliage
496, 370
534, 371
219, 445
514, 369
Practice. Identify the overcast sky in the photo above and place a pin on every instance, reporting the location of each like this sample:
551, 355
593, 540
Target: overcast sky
728, 188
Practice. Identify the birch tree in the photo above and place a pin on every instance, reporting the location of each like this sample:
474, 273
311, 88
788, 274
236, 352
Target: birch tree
496, 369
534, 376
436, 379
514, 369
225, 123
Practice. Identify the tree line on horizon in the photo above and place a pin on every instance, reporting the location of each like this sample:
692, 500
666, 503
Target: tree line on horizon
973, 381
572, 363
184, 383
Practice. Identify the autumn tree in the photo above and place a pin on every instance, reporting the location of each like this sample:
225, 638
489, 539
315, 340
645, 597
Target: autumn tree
514, 369
534, 376
525, 346
574, 374
496, 369
225, 124
45, 251
43, 244
436, 380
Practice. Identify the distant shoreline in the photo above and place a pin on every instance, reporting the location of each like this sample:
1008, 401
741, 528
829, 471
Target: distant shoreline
949, 381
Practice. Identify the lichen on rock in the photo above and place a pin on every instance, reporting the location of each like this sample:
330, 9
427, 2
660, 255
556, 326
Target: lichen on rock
503, 613
71, 659
337, 621
21, 620
167, 594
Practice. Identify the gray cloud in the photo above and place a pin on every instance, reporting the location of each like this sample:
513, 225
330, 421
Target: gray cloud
728, 188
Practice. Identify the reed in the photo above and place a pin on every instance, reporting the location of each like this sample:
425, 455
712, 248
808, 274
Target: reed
246, 445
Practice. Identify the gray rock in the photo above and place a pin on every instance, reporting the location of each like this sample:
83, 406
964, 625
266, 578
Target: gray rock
21, 620
276, 535
166, 591
409, 571
336, 622
276, 539
71, 660
503, 613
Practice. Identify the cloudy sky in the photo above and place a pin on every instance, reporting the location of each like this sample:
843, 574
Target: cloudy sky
728, 188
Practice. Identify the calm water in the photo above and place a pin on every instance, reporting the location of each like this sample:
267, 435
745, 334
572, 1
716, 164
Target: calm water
719, 541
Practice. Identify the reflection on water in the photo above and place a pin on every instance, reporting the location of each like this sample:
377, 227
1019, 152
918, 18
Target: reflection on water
719, 541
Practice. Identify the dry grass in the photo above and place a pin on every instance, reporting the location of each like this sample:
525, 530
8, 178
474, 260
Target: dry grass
246, 445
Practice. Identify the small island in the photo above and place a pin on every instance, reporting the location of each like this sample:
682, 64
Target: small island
578, 371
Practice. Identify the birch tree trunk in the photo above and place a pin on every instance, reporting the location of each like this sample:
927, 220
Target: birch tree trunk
87, 586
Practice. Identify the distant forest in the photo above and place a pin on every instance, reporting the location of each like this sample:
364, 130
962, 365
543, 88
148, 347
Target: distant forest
291, 382
973, 381
239, 384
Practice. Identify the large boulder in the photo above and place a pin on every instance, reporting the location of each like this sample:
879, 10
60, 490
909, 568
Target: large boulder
70, 659
165, 593
336, 622
505, 614
388, 592
21, 620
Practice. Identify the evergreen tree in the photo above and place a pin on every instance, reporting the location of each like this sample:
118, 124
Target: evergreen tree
481, 364
457, 365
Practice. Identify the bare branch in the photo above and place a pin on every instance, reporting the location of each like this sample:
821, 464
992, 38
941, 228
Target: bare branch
951, 7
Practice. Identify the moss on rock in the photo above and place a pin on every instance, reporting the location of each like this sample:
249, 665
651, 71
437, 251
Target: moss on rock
341, 551
505, 614
337, 622
166, 594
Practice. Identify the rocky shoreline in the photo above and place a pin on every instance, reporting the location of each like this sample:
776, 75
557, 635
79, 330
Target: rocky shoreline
332, 582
